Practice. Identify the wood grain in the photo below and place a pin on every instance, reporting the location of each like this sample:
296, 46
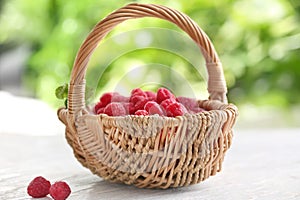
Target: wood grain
262, 164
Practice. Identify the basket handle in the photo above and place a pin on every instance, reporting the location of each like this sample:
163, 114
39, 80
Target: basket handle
216, 81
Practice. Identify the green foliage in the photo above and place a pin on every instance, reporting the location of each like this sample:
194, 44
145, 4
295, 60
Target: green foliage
258, 43
62, 91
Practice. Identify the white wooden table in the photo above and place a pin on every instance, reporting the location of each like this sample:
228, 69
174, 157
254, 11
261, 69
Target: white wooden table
262, 164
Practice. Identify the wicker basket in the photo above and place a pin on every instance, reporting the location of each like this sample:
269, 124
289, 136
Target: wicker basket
150, 151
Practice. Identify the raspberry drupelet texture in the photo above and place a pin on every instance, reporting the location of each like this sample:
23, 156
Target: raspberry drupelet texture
38, 187
60, 190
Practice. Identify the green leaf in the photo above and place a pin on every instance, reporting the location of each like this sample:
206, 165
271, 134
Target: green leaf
62, 91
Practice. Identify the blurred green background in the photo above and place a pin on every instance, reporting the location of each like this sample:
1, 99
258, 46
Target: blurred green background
258, 43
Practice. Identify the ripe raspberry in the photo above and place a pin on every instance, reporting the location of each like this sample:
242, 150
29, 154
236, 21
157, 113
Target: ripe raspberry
136, 98
163, 94
115, 109
141, 112
138, 102
38, 187
100, 111
176, 109
151, 96
138, 92
153, 108
129, 108
107, 97
165, 103
119, 98
60, 190
98, 106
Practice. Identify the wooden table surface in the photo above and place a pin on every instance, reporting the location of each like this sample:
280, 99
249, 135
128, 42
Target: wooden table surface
262, 164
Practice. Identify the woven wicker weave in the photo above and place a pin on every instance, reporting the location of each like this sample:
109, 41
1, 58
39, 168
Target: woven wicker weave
150, 151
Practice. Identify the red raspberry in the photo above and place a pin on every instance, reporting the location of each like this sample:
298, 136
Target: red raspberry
60, 190
153, 108
151, 96
165, 103
115, 109
98, 106
107, 97
100, 111
138, 92
141, 112
119, 98
163, 94
136, 98
176, 109
129, 108
38, 187
138, 102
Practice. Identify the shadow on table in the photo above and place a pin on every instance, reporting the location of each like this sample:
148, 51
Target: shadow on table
107, 190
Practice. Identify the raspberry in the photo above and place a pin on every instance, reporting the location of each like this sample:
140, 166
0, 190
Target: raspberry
136, 98
138, 102
115, 109
151, 96
141, 112
165, 103
60, 190
38, 187
176, 109
98, 106
163, 94
138, 92
100, 111
153, 108
119, 98
129, 108
106, 98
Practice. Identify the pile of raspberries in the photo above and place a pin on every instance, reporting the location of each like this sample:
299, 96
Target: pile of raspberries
163, 103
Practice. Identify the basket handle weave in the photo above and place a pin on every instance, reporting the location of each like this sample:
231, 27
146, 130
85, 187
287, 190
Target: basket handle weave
216, 82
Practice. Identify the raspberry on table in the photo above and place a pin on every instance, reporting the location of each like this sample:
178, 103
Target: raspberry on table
38, 187
162, 94
60, 190
115, 109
